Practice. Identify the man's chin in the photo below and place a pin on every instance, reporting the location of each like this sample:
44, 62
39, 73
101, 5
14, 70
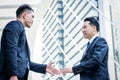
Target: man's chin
28, 26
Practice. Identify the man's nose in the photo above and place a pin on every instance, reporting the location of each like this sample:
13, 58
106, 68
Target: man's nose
83, 30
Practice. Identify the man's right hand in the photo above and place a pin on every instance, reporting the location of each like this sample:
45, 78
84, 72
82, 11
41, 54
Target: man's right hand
13, 78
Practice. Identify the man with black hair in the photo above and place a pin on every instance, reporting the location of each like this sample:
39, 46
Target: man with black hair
15, 60
94, 63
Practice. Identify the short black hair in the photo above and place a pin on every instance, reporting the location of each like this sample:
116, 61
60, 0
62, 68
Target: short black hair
22, 8
93, 21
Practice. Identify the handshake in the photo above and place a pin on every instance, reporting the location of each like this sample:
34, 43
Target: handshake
50, 69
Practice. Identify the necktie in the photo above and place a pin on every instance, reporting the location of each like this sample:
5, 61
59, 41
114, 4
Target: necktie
88, 44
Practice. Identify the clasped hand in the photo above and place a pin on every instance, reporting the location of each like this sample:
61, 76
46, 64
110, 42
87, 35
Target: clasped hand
54, 71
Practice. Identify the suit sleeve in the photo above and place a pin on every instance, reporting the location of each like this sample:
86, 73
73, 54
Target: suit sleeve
11, 42
40, 68
94, 58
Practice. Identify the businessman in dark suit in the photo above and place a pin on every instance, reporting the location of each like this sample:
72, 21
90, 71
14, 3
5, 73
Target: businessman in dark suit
94, 63
15, 60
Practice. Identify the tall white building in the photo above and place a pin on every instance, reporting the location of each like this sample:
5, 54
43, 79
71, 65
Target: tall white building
63, 40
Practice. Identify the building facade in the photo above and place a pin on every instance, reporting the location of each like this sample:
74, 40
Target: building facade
115, 16
63, 40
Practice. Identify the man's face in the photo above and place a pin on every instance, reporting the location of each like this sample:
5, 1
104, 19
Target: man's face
28, 19
88, 30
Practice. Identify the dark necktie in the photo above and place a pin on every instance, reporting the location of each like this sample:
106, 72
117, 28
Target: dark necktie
88, 45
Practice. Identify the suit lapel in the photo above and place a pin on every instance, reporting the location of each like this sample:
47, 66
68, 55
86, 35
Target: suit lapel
90, 47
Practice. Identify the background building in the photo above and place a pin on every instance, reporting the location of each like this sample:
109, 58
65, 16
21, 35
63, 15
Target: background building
56, 33
63, 41
115, 16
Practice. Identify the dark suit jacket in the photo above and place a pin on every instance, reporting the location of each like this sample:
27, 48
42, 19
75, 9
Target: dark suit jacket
15, 54
94, 64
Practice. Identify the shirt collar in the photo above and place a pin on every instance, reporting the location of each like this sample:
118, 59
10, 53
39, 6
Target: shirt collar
93, 38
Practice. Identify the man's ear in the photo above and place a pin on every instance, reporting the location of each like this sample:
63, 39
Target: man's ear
95, 27
24, 15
